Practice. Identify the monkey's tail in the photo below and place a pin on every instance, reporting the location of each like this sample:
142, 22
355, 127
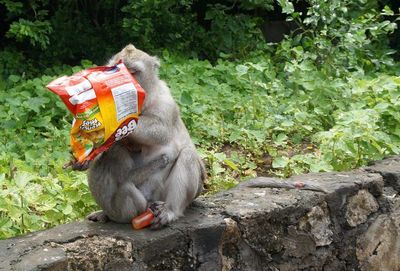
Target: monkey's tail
266, 182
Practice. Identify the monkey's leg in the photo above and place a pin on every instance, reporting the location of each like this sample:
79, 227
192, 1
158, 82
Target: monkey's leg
180, 188
98, 216
129, 201
126, 203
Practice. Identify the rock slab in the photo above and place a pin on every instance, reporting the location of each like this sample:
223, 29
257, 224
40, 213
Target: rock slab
355, 225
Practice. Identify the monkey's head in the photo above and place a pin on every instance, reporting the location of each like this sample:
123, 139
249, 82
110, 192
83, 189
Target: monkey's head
139, 63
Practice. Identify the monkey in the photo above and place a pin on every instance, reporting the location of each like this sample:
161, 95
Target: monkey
265, 182
135, 173
157, 164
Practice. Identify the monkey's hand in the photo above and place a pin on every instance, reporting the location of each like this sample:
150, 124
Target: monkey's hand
162, 215
75, 165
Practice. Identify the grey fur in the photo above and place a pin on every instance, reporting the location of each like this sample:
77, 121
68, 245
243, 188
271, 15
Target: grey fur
156, 164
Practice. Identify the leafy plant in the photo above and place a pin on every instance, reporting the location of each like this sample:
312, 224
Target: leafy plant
325, 98
36, 192
35, 31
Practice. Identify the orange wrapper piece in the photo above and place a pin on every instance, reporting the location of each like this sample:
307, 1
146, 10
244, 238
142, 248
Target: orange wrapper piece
143, 220
299, 185
106, 102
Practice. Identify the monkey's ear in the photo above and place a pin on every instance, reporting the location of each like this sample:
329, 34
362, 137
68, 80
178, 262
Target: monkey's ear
135, 66
129, 48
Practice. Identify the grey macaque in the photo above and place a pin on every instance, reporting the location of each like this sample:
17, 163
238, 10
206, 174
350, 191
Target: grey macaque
155, 165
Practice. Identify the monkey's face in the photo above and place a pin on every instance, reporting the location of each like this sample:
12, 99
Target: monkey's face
139, 63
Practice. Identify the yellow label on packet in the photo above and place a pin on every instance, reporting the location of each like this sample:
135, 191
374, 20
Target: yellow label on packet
106, 103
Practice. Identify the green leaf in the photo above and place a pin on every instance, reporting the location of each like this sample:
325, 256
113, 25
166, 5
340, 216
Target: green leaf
234, 136
15, 212
2, 178
67, 210
287, 6
72, 195
22, 178
387, 11
186, 98
287, 123
52, 215
280, 139
280, 162
220, 156
42, 122
242, 69
5, 223
231, 164
14, 78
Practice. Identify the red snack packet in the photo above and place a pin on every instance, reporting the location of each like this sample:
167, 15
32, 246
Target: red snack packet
106, 102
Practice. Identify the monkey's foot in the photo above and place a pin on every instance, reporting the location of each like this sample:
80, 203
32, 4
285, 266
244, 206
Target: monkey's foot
162, 216
99, 216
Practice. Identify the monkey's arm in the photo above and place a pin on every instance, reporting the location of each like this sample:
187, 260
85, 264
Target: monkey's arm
140, 174
151, 131
262, 182
156, 125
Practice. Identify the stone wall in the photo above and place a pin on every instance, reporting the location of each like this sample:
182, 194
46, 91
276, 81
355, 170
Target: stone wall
355, 225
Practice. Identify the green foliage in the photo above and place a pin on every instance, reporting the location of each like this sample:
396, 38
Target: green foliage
257, 111
36, 32
32, 201
325, 98
257, 4
35, 28
10, 63
179, 28
168, 28
36, 192
55, 32
368, 128
287, 6
345, 35
67, 31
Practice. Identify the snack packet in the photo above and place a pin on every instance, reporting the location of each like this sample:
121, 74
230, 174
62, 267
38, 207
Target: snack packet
106, 102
